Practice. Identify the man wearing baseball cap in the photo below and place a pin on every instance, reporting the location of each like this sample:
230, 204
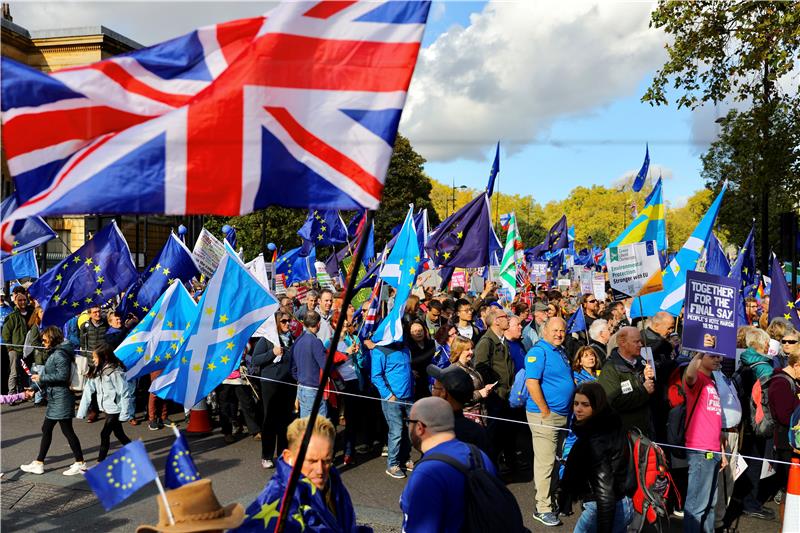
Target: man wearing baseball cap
455, 386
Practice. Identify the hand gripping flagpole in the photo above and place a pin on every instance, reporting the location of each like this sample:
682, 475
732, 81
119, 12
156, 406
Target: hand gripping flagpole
326, 374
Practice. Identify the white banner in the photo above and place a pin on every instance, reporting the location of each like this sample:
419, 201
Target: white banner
208, 252
634, 269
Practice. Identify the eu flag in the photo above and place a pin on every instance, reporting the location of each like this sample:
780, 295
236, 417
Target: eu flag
232, 308
716, 262
100, 270
180, 468
495, 170
577, 322
322, 228
462, 240
642, 175
558, 235
121, 474
744, 268
781, 302
296, 265
21, 265
174, 262
28, 233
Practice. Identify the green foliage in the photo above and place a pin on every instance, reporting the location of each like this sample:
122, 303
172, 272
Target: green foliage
721, 48
280, 227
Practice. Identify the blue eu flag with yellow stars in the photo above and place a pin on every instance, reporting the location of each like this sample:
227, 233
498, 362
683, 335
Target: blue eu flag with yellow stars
323, 227
100, 270
180, 468
296, 265
121, 474
781, 301
558, 236
463, 239
174, 262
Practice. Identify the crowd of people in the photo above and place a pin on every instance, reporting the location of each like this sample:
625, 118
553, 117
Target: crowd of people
515, 392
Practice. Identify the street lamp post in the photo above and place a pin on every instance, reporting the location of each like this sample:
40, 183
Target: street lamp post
462, 187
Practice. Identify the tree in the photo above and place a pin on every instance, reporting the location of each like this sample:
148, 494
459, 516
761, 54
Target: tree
740, 50
406, 183
681, 221
280, 225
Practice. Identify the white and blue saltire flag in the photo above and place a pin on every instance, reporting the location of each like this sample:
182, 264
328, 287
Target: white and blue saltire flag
232, 308
671, 298
400, 271
155, 340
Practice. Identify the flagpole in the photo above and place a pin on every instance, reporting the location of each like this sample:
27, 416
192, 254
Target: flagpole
326, 373
164, 498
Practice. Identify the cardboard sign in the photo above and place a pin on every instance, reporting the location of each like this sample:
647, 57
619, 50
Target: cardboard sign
563, 285
599, 286
538, 272
634, 269
459, 279
709, 323
586, 282
208, 252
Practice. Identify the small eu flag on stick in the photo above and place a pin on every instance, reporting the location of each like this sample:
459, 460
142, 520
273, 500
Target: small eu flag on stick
180, 468
122, 474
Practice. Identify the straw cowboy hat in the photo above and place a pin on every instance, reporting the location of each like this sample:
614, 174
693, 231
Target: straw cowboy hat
195, 508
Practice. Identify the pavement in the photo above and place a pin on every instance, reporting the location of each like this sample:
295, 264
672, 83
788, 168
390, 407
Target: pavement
53, 502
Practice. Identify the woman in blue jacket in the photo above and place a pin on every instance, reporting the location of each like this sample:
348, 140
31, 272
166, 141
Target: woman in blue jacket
107, 379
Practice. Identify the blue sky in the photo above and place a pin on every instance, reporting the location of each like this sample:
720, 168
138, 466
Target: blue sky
558, 84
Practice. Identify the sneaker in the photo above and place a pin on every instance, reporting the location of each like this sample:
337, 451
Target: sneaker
75, 469
257, 436
779, 496
677, 513
409, 465
363, 449
395, 472
267, 463
34, 467
385, 451
153, 425
765, 513
348, 460
160, 424
548, 519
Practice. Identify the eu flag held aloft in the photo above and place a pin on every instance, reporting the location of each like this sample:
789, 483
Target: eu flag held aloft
462, 240
180, 468
28, 233
781, 301
638, 182
174, 262
121, 474
558, 236
322, 228
97, 272
296, 265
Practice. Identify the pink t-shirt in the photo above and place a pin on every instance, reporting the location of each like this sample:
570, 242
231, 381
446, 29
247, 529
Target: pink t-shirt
705, 426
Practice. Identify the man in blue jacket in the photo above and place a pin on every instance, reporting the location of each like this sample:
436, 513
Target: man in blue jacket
391, 375
308, 359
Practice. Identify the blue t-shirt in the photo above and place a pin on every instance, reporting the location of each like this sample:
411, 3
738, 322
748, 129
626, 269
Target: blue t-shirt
433, 500
549, 365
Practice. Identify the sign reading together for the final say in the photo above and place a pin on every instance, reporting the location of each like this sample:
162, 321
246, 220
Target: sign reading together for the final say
709, 312
634, 269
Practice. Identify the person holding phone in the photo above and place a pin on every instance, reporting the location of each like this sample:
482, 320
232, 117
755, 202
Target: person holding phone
461, 352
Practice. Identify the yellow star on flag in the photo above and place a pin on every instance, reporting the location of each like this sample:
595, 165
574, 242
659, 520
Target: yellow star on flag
139, 350
97, 268
223, 319
268, 512
183, 360
196, 367
209, 310
100, 280
460, 235
169, 324
231, 332
76, 259
224, 359
787, 316
446, 255
88, 300
790, 305
412, 271
211, 366
158, 358
88, 261
98, 291
230, 345
58, 277
166, 271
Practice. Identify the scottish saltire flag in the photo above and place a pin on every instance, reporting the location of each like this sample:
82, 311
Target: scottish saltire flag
638, 182
296, 266
98, 271
231, 309
155, 340
175, 262
19, 266
462, 240
28, 233
512, 254
400, 271
744, 268
557, 237
782, 303
716, 261
495, 170
179, 468
121, 474
298, 108
672, 297
577, 322
571, 240
323, 227
650, 225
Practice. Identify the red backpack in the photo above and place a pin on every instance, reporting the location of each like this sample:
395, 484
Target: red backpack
654, 485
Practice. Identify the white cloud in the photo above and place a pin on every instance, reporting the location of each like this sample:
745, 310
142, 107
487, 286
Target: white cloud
437, 11
656, 171
519, 66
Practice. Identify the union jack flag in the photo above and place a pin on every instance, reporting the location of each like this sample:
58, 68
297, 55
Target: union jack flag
298, 108
371, 316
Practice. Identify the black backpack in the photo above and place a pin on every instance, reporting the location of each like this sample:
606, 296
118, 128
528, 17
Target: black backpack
488, 504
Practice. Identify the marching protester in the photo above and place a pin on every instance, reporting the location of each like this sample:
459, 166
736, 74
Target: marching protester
106, 379
55, 379
15, 328
308, 358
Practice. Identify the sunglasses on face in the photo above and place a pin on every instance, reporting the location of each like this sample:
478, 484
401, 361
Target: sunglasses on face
789, 341
285, 321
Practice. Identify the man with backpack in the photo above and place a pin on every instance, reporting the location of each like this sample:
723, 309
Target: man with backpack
454, 486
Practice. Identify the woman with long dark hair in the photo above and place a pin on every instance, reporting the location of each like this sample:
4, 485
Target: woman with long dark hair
107, 378
55, 378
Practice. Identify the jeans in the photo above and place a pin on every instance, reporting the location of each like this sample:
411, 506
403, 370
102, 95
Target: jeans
39, 395
398, 443
131, 386
587, 523
701, 494
306, 396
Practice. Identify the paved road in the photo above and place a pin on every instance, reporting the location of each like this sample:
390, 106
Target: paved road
53, 502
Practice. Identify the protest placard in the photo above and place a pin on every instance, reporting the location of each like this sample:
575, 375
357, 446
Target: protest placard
538, 271
709, 323
459, 279
634, 269
586, 281
208, 252
599, 286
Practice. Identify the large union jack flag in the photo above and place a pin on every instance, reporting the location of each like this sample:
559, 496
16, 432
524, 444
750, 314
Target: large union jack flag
298, 108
